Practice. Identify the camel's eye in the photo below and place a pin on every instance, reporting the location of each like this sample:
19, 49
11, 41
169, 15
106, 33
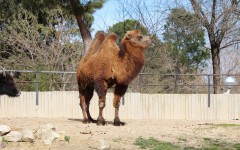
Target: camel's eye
139, 37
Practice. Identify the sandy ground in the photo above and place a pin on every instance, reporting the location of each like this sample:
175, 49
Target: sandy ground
90, 136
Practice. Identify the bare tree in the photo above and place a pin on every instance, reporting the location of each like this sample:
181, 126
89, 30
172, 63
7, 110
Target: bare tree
221, 23
231, 57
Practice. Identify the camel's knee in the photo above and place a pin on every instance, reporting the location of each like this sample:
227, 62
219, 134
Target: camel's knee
116, 104
116, 101
102, 101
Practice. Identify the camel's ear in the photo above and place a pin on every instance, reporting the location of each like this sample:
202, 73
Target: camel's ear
2, 70
15, 74
128, 36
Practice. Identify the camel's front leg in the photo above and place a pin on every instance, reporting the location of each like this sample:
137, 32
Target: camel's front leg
101, 89
120, 90
100, 119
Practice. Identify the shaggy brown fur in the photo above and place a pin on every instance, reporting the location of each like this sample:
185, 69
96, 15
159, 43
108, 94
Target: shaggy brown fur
7, 85
96, 43
108, 66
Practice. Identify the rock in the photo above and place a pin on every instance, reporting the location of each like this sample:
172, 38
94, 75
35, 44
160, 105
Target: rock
48, 127
27, 135
47, 134
104, 145
40, 132
49, 137
13, 136
62, 135
44, 128
2, 145
4, 129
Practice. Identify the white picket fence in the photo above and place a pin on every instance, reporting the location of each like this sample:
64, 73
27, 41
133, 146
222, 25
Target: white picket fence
136, 106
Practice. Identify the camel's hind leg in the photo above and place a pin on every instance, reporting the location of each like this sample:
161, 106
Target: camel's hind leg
88, 97
120, 90
83, 107
85, 98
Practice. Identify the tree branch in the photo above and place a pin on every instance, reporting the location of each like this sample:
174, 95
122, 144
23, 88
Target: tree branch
225, 22
230, 44
199, 12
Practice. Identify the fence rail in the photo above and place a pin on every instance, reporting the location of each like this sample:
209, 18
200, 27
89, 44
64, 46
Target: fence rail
144, 83
136, 106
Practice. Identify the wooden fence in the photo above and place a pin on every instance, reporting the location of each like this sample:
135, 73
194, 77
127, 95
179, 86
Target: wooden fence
136, 106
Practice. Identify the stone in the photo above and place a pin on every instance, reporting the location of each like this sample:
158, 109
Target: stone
40, 132
27, 135
44, 128
49, 137
4, 129
48, 127
62, 135
2, 145
13, 136
46, 134
104, 145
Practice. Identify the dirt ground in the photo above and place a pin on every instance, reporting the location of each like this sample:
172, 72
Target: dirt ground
90, 136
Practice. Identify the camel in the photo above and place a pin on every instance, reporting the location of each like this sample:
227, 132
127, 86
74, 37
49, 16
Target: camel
7, 84
110, 65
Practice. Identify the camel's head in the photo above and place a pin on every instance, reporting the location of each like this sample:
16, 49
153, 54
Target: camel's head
7, 85
136, 39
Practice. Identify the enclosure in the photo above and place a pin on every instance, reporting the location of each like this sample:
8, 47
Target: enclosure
182, 121
54, 94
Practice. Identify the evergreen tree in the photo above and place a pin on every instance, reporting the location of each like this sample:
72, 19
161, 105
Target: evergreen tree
186, 44
185, 41
82, 10
121, 28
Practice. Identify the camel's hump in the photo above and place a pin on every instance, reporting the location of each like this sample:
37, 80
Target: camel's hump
112, 36
100, 35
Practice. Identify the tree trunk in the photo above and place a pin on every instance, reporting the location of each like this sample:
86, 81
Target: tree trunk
82, 23
216, 68
85, 32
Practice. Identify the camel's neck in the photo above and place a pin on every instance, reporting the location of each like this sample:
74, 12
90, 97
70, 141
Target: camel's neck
132, 63
126, 51
135, 54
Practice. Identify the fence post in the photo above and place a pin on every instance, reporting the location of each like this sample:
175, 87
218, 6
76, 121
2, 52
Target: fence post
123, 100
176, 84
139, 83
37, 87
209, 89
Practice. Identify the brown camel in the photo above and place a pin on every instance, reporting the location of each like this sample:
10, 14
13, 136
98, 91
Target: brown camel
110, 65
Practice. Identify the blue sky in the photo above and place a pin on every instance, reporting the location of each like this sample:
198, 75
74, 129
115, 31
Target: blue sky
106, 16
109, 14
